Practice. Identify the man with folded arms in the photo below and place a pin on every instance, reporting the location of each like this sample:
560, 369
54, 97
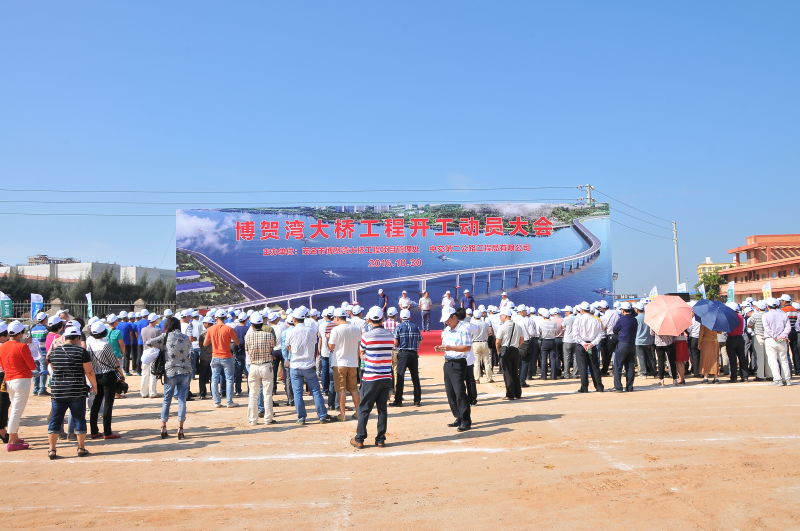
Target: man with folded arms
343, 342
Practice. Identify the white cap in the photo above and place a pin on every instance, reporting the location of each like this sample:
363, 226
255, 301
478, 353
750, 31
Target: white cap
404, 291
391, 312
616, 304
273, 316
796, 305
112, 318
41, 316
544, 312
584, 306
733, 306
507, 312
123, 314
242, 317
481, 307
447, 292
327, 312
98, 327
65, 310
339, 312
3, 327
567, 309
300, 313
761, 305
348, 307
465, 291
540, 310
93, 320
72, 331
357, 309
639, 306
289, 319
15, 327
221, 314
380, 290
145, 312
255, 318
747, 308
786, 297
375, 314
627, 306
555, 311
494, 309
504, 294
603, 304
749, 299
168, 312
405, 314
448, 311
230, 309
772, 302
522, 308
153, 317
208, 319
54, 320
313, 312
469, 311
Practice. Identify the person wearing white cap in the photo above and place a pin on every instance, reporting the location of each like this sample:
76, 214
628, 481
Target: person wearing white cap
509, 337
5, 401
72, 367
280, 363
324, 327
625, 351
241, 328
756, 324
608, 344
468, 301
425, 305
343, 341
302, 349
148, 385
792, 313
125, 331
776, 341
569, 365
482, 329
375, 348
136, 329
645, 343
175, 346
219, 337
37, 346
355, 317
549, 329
734, 344
407, 338
108, 371
259, 343
204, 360
530, 335
404, 302
17, 363
504, 301
447, 304
115, 336
588, 332
383, 300
390, 322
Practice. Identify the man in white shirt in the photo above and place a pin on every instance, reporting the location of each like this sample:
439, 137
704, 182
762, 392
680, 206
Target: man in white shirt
343, 344
509, 338
526, 349
302, 346
456, 342
609, 344
480, 346
588, 331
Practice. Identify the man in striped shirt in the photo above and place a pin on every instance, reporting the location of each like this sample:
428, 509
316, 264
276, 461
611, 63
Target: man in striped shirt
376, 381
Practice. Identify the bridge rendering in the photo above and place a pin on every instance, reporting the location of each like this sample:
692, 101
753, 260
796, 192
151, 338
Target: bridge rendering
235, 282
515, 273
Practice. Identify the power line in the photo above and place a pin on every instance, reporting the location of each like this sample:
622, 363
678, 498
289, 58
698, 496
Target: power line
633, 207
638, 230
250, 192
271, 203
617, 209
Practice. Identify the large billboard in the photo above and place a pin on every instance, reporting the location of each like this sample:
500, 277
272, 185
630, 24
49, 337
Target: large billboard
541, 254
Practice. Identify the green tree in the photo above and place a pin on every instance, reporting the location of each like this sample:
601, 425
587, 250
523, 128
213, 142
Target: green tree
712, 282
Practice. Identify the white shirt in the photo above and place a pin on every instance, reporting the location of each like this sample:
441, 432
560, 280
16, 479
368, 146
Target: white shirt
345, 339
481, 332
324, 351
520, 321
587, 329
473, 329
510, 333
301, 342
568, 323
504, 303
609, 319
458, 337
404, 303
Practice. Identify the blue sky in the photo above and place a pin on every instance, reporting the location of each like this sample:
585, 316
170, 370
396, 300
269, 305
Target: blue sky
687, 110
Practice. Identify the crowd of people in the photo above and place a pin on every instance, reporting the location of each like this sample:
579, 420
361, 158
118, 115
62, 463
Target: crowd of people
364, 354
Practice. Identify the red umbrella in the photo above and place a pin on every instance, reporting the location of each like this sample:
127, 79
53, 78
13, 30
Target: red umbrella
668, 315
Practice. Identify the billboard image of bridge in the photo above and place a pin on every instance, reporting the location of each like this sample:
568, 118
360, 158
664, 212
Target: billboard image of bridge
541, 254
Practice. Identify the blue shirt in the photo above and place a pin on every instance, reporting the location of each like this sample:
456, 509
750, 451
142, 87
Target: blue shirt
241, 330
124, 328
408, 335
137, 327
643, 335
626, 329
468, 302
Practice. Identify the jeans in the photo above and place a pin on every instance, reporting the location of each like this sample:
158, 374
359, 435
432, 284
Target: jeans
550, 353
58, 408
106, 383
409, 359
40, 381
177, 385
204, 372
259, 385
645, 356
309, 377
87, 406
218, 366
239, 371
332, 394
195, 358
426, 320
373, 394
325, 373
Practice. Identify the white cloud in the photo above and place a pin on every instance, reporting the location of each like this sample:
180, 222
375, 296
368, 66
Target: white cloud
203, 233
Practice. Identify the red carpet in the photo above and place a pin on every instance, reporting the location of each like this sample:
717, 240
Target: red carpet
429, 340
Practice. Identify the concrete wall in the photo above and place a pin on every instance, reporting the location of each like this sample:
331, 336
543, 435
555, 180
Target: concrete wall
135, 274
94, 270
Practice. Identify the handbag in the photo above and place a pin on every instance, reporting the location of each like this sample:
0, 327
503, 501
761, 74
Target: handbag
121, 386
158, 367
504, 350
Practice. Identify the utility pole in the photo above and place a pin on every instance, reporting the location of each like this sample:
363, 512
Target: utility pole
677, 260
589, 199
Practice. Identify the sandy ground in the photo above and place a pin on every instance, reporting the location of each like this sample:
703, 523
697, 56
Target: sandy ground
704, 457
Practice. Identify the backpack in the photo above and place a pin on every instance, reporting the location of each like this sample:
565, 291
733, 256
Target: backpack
159, 366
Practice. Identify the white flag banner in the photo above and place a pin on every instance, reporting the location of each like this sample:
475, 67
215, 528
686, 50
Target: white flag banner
702, 290
89, 311
654, 292
683, 287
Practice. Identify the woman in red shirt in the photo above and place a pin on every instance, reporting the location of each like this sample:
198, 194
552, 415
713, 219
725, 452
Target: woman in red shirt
18, 365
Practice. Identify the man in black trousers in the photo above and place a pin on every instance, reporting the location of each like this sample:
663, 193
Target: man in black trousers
509, 339
588, 332
456, 342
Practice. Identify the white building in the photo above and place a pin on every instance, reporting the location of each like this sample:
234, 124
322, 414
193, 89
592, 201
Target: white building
93, 270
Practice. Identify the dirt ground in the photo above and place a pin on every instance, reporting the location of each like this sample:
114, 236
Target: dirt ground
697, 456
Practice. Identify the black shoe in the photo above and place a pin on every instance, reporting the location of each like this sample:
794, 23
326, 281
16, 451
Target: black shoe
328, 419
524, 385
600, 390
417, 404
615, 390
454, 424
582, 390
629, 389
474, 403
261, 414
395, 404
380, 444
464, 427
